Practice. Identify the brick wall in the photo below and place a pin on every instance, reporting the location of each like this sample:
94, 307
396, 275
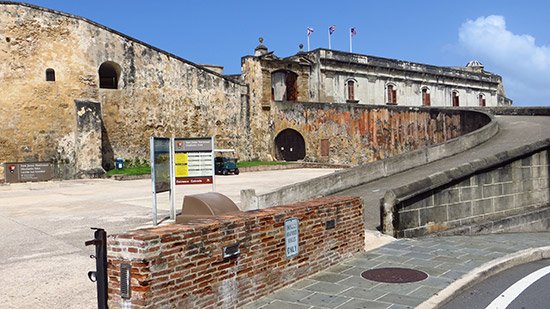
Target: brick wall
183, 266
506, 190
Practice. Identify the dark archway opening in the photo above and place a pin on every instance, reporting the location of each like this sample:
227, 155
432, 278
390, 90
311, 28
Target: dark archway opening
290, 145
109, 73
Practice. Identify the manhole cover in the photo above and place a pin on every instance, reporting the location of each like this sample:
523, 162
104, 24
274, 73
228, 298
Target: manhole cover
394, 275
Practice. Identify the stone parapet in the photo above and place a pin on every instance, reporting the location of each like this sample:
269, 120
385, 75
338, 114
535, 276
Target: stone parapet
474, 134
473, 196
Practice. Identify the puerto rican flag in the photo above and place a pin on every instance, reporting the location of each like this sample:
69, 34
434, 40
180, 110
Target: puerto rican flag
331, 29
309, 31
353, 31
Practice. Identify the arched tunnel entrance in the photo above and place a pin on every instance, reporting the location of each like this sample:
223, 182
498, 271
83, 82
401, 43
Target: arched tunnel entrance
290, 145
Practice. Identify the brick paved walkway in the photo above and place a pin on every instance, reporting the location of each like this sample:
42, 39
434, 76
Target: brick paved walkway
445, 259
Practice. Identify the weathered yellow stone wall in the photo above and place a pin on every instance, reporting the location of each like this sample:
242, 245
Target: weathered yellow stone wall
257, 75
360, 134
159, 94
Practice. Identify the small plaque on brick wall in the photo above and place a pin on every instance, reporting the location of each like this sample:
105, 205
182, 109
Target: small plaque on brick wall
125, 291
291, 237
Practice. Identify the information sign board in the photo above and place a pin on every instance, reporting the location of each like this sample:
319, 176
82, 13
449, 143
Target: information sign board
291, 237
28, 171
193, 159
160, 167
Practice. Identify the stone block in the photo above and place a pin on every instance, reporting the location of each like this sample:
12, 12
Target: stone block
447, 196
492, 190
505, 173
527, 185
460, 210
429, 200
541, 183
465, 183
412, 204
511, 188
524, 199
468, 194
437, 214
481, 207
526, 173
408, 219
504, 202
484, 179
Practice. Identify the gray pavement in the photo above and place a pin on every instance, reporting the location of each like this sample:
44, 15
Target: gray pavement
43, 226
444, 259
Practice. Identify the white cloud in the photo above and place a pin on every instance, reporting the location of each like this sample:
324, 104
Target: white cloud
524, 66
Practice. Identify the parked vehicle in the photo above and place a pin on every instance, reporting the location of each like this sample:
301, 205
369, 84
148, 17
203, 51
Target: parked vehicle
225, 162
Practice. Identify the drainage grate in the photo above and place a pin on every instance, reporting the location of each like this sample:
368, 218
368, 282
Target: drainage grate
394, 275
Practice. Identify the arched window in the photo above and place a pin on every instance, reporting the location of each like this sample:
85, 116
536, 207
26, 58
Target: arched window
455, 99
426, 97
50, 75
391, 96
109, 74
482, 99
350, 91
284, 86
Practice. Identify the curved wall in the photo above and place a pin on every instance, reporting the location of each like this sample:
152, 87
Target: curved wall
342, 180
357, 134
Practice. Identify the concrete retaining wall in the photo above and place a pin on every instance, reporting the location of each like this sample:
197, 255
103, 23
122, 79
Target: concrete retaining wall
348, 178
499, 192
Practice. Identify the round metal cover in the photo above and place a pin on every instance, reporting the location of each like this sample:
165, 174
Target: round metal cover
394, 275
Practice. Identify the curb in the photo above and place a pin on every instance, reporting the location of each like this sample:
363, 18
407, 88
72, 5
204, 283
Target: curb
483, 272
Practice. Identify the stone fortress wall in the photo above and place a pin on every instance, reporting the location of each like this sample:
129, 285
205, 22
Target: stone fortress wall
157, 94
79, 93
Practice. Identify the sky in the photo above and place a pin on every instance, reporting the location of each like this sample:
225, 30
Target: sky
511, 38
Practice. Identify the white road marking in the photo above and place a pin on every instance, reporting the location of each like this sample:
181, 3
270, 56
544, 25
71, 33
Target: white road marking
511, 293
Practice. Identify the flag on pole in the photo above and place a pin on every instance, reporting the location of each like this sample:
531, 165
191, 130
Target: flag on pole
331, 29
309, 32
353, 31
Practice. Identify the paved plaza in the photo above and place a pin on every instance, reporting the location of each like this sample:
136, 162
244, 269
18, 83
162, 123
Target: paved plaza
43, 227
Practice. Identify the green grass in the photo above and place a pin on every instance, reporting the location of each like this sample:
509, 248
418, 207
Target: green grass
258, 163
134, 170
146, 169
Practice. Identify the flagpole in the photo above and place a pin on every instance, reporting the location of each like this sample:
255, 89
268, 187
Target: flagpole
308, 42
350, 44
329, 47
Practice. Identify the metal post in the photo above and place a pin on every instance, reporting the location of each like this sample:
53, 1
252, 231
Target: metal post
213, 165
172, 195
153, 182
100, 274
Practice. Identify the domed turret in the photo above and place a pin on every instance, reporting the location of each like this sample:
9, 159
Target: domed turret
261, 49
475, 66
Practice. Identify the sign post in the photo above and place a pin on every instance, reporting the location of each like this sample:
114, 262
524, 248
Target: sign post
161, 162
180, 161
